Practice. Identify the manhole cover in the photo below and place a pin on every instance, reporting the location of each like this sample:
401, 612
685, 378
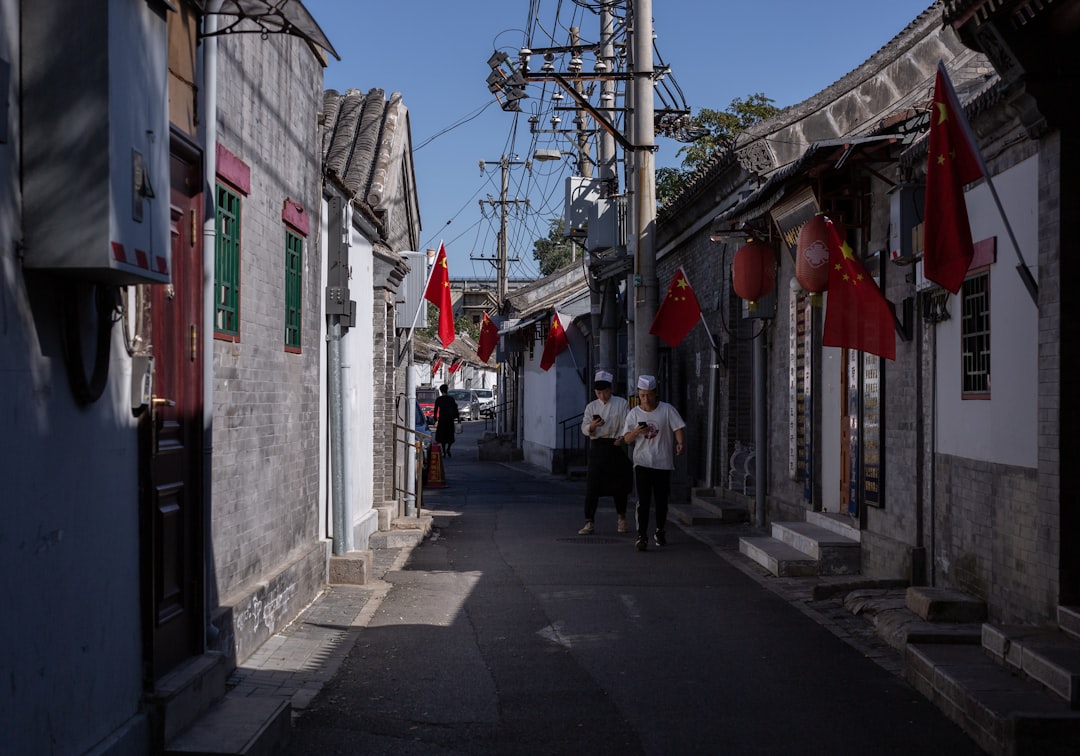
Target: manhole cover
591, 539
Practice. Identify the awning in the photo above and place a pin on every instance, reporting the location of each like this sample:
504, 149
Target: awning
271, 17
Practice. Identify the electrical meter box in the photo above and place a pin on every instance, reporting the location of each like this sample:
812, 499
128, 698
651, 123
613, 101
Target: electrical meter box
581, 194
96, 144
411, 293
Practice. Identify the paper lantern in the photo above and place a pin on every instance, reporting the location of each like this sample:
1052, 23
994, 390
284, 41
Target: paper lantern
753, 273
812, 256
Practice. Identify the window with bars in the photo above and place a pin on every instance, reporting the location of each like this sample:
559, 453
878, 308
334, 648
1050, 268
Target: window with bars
227, 265
975, 336
294, 259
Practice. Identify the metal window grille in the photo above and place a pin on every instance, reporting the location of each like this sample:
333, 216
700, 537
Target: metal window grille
975, 334
294, 257
227, 264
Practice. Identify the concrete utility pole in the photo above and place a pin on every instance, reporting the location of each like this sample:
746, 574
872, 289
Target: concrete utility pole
503, 202
644, 191
606, 158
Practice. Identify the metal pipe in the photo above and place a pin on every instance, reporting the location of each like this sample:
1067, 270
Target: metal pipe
759, 430
337, 453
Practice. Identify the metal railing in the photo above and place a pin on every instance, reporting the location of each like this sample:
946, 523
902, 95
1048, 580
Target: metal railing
411, 501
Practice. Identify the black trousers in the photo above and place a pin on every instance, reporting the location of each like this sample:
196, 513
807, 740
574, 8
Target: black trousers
608, 475
653, 486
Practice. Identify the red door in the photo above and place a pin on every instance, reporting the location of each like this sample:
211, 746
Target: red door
172, 431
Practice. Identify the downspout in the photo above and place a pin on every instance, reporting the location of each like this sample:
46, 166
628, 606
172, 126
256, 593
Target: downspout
337, 433
410, 438
210, 50
759, 430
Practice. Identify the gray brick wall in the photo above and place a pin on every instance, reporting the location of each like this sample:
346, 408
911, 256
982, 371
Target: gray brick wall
266, 401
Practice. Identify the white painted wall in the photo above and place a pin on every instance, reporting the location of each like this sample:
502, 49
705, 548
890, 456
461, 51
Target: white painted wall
1003, 429
550, 396
358, 363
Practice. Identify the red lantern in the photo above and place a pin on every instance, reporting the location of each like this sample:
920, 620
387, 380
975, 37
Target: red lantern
812, 256
753, 273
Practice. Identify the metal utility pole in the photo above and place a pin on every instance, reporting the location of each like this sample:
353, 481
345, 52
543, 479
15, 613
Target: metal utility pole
644, 191
606, 159
503, 202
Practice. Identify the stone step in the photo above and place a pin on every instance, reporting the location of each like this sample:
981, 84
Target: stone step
1043, 654
835, 554
944, 605
184, 695
1069, 621
395, 538
841, 524
777, 557
249, 725
718, 508
1002, 712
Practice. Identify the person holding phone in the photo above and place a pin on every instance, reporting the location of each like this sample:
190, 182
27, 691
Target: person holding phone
652, 427
609, 472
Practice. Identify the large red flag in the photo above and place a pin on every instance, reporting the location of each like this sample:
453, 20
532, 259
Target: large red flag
857, 314
952, 162
489, 337
438, 293
556, 343
678, 312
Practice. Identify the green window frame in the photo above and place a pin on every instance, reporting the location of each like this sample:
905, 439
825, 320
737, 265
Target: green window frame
294, 262
227, 264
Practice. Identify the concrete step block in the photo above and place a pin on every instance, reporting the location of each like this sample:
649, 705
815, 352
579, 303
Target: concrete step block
1002, 712
1043, 654
835, 554
184, 695
395, 538
249, 725
841, 524
723, 510
1068, 618
777, 557
945, 605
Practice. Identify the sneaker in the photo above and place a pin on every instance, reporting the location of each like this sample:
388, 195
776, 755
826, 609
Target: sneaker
622, 524
588, 529
641, 544
660, 538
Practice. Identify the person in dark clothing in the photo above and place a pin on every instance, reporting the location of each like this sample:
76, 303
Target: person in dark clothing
610, 472
446, 414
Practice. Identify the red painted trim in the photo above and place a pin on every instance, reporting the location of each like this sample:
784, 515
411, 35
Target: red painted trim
985, 253
293, 213
233, 170
118, 252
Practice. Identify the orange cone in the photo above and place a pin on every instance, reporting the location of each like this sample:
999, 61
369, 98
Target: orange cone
435, 477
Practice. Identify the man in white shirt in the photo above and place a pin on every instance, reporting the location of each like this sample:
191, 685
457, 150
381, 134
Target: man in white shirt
610, 471
651, 427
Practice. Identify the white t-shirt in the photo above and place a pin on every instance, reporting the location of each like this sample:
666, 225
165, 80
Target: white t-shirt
613, 414
656, 447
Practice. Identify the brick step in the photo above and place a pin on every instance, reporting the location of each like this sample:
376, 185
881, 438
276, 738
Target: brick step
1042, 654
834, 553
1004, 713
777, 557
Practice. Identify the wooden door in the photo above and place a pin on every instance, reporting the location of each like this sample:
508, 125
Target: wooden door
173, 561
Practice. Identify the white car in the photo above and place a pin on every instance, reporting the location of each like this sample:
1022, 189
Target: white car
485, 399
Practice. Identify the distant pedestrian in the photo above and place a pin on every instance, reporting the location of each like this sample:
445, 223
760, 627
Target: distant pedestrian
651, 427
446, 412
610, 472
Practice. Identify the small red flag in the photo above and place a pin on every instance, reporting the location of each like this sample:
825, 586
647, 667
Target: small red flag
489, 337
556, 343
435, 366
952, 162
454, 366
438, 293
678, 312
857, 314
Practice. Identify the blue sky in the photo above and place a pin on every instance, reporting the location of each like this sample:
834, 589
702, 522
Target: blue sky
435, 53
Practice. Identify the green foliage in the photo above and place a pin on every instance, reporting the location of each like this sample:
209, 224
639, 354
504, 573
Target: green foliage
461, 325
723, 127
554, 251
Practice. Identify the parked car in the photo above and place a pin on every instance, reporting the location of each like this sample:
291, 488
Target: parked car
425, 399
485, 399
467, 404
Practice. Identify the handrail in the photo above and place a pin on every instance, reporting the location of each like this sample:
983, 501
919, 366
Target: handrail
573, 438
418, 446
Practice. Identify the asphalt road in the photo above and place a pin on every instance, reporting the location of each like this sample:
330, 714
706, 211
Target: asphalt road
507, 633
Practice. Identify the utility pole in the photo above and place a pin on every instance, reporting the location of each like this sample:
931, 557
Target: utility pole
644, 191
503, 202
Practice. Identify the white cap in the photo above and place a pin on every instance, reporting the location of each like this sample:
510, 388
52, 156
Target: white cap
602, 375
646, 383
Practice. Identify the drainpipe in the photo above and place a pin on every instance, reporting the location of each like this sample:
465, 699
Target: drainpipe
210, 49
337, 433
410, 439
759, 430
339, 229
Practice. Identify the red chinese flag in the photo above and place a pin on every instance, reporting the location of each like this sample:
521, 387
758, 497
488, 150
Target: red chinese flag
678, 312
438, 293
489, 337
454, 366
556, 343
952, 162
435, 366
857, 314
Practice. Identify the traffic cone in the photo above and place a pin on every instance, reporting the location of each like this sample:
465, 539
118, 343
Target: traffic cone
435, 477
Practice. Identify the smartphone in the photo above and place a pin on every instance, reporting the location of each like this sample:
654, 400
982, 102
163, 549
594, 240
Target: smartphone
643, 425
595, 417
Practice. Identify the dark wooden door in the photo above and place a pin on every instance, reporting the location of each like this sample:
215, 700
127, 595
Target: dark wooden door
172, 431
